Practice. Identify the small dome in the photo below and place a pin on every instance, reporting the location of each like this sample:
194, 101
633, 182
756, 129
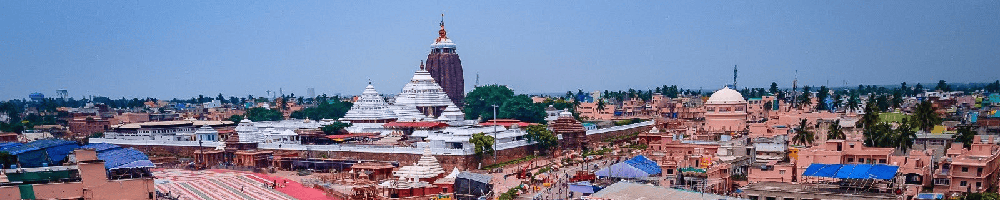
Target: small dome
726, 95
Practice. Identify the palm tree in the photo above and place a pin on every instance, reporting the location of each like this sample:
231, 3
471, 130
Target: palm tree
853, 103
601, 105
802, 135
835, 131
924, 116
965, 135
905, 136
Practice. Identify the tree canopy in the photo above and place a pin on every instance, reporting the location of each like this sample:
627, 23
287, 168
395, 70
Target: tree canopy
337, 128
325, 110
479, 102
541, 134
521, 107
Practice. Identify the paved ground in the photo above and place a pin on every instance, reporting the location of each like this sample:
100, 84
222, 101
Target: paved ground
558, 190
227, 184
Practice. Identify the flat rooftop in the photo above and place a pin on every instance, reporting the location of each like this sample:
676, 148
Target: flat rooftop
815, 189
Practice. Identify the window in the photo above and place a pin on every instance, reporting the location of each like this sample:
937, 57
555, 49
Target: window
670, 171
979, 170
861, 160
849, 160
965, 169
781, 171
754, 198
963, 183
979, 184
881, 161
786, 198
770, 198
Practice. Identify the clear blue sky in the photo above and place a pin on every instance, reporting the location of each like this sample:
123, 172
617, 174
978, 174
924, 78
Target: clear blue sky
185, 48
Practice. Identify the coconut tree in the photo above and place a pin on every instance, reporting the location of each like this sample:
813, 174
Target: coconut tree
803, 135
835, 131
924, 116
601, 105
905, 136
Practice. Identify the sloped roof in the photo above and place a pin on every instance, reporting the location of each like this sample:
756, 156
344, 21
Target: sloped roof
644, 164
852, 171
99, 147
124, 158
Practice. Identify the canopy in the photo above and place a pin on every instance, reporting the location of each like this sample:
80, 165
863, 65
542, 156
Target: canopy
644, 164
622, 170
124, 158
34, 154
852, 171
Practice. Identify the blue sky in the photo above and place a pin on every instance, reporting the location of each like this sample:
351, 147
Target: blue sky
185, 48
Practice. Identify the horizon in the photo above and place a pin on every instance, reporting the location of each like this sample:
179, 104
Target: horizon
180, 49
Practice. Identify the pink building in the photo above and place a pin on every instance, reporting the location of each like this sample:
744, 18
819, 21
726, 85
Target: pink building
965, 170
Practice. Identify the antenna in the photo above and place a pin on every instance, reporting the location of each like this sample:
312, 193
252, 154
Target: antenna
477, 79
734, 77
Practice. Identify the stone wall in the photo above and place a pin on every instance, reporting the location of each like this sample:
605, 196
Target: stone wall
595, 140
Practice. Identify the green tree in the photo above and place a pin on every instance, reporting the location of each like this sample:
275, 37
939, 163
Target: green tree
541, 134
853, 103
919, 89
479, 102
337, 128
803, 135
982, 196
870, 116
880, 135
821, 96
897, 98
965, 135
236, 118
805, 99
601, 105
835, 131
925, 117
483, 144
521, 107
774, 88
325, 110
263, 114
905, 135
943, 86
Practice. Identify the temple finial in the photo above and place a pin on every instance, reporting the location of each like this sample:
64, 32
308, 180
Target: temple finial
421, 64
442, 20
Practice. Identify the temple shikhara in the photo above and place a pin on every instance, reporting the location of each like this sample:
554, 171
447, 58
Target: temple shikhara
445, 67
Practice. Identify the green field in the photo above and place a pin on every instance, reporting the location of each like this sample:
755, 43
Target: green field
891, 117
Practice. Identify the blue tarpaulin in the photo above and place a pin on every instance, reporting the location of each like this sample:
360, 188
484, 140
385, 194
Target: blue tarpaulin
36, 145
58, 153
8, 145
852, 171
622, 170
34, 154
99, 147
644, 164
124, 158
583, 187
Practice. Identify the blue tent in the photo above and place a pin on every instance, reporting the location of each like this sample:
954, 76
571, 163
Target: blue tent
644, 164
622, 170
8, 145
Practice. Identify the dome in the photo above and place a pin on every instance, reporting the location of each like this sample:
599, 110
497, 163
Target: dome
726, 95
